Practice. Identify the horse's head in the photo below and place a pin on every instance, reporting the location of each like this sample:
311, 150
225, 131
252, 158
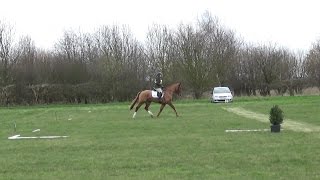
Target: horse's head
178, 89
174, 88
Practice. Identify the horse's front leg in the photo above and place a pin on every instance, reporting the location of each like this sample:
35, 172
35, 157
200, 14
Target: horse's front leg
172, 106
161, 108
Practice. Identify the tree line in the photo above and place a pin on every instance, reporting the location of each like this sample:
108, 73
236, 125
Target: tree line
111, 65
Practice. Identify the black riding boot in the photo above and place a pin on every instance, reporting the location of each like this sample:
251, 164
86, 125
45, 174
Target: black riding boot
159, 94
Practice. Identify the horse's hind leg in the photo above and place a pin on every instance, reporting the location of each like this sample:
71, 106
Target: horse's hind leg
147, 108
137, 108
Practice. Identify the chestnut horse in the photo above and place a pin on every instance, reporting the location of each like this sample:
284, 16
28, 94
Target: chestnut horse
145, 97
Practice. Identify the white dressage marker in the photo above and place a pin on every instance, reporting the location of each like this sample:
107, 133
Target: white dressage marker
246, 130
35, 137
36, 130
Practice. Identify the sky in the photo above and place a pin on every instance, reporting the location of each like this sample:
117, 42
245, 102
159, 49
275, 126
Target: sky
293, 24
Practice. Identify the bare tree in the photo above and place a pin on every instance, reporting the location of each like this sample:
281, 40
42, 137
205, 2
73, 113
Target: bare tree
291, 73
221, 48
160, 52
268, 60
7, 54
121, 63
206, 54
71, 60
25, 71
191, 59
246, 73
313, 64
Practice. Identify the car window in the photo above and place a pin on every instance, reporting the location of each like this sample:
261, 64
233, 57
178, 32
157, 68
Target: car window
221, 90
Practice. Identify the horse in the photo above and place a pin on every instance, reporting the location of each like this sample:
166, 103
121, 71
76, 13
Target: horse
145, 97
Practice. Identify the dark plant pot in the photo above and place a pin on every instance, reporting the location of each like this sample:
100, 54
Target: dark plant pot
275, 128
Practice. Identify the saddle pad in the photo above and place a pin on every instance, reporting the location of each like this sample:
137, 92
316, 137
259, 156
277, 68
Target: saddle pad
154, 94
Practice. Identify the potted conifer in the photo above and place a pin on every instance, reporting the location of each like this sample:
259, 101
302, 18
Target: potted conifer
276, 118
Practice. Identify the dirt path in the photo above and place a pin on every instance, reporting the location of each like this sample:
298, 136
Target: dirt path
287, 123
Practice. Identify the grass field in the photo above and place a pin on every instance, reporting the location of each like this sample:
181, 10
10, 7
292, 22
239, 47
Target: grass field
106, 143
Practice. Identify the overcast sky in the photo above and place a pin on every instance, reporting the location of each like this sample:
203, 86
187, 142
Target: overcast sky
290, 23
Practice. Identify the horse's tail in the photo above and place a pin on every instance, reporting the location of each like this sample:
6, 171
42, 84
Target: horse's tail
135, 101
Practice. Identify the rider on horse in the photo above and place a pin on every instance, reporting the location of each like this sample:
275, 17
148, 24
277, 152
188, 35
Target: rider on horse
158, 84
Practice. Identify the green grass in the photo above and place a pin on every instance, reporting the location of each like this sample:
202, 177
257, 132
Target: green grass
106, 143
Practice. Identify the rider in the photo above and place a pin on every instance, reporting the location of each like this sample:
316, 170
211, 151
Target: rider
158, 84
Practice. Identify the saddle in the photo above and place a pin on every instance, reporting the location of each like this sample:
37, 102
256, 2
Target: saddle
156, 94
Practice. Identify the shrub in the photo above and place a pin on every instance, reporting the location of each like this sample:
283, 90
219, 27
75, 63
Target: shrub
276, 115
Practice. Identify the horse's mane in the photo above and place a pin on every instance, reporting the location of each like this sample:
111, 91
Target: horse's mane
172, 86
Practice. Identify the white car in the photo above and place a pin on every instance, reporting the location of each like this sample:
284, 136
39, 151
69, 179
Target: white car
221, 94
